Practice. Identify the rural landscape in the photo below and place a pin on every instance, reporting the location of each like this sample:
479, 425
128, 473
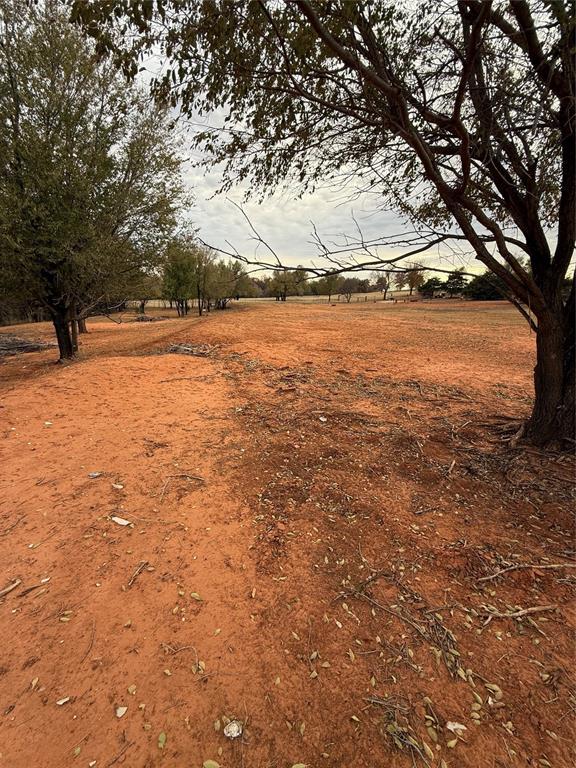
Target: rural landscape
278, 501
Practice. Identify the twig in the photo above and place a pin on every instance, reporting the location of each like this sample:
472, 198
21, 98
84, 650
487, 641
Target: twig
91, 643
517, 614
11, 527
189, 477
522, 566
30, 589
10, 587
137, 572
173, 651
119, 755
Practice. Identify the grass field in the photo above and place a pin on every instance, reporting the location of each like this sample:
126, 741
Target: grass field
318, 505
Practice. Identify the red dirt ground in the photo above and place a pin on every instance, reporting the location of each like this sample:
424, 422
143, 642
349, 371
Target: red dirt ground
312, 508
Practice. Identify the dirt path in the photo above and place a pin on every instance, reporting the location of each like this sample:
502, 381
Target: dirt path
311, 508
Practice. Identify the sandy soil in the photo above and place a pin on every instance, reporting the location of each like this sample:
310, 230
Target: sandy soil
316, 508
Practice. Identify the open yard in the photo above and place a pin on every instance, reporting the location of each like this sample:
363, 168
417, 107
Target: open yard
300, 527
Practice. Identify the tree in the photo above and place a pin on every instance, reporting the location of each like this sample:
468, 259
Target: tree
382, 282
328, 286
430, 286
400, 280
455, 282
288, 282
180, 278
88, 172
348, 287
415, 277
461, 115
485, 287
146, 286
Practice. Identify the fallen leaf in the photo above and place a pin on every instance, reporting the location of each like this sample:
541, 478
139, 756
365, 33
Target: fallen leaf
210, 764
121, 711
452, 743
162, 739
455, 727
63, 701
196, 596
119, 520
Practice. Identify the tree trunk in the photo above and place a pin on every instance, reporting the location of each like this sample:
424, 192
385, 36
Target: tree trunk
82, 325
553, 414
62, 328
74, 328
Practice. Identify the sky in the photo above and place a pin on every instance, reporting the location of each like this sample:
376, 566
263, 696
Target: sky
286, 222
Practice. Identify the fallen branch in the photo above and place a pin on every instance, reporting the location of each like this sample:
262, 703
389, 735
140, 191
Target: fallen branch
119, 755
91, 643
11, 527
10, 587
173, 651
517, 614
527, 566
31, 589
12, 345
136, 573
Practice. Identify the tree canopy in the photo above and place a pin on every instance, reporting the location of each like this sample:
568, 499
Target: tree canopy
89, 172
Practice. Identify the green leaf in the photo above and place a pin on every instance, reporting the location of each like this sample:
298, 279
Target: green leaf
210, 764
162, 739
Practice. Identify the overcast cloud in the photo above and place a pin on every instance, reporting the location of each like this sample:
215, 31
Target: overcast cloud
285, 222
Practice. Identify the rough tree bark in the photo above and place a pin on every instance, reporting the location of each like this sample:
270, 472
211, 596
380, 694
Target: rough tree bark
61, 323
553, 416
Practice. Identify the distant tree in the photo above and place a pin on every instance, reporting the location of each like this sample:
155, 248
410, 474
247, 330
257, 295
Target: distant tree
485, 287
416, 277
382, 282
349, 286
400, 280
181, 270
146, 287
328, 285
228, 281
430, 286
88, 172
456, 282
288, 282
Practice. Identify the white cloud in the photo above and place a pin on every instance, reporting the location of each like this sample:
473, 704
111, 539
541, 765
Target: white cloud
286, 222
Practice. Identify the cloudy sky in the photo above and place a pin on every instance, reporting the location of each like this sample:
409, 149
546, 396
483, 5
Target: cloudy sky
285, 221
